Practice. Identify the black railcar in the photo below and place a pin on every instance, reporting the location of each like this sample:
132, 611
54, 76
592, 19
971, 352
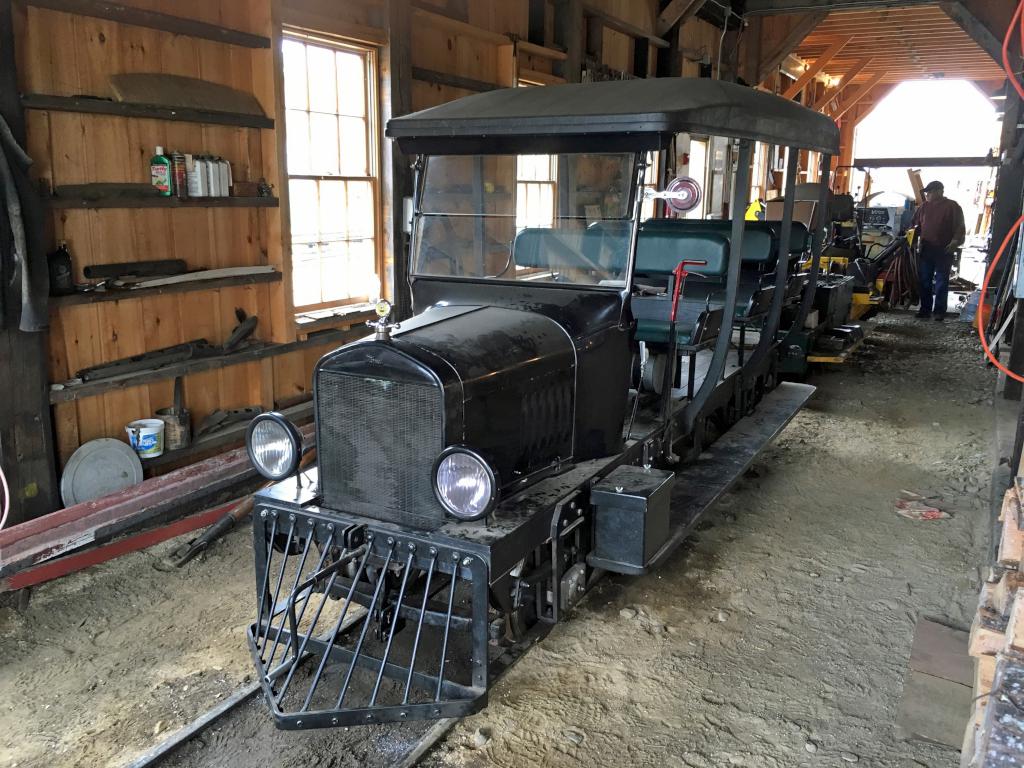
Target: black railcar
482, 463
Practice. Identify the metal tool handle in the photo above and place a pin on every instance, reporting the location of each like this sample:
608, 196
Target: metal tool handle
680, 273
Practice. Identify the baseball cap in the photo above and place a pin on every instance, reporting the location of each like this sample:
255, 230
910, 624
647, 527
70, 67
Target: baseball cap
933, 186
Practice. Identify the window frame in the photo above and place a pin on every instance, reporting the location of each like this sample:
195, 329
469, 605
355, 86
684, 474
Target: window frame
373, 150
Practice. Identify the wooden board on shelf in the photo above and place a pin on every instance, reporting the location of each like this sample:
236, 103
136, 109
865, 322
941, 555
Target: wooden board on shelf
150, 201
71, 390
128, 294
102, 106
177, 25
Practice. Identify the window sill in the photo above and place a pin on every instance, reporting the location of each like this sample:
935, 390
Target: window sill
337, 318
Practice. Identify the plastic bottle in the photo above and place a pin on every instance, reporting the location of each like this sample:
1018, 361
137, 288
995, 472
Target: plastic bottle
195, 178
179, 176
212, 176
160, 173
225, 176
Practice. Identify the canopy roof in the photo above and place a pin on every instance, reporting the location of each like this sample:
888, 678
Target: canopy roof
625, 113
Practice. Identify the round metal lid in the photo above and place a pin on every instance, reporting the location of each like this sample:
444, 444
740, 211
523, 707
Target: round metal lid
98, 468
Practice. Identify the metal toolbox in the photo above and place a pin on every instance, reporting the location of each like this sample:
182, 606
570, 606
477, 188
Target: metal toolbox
631, 513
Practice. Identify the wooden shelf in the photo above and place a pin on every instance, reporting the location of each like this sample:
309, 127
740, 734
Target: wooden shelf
532, 49
155, 201
94, 105
218, 442
429, 15
138, 17
127, 294
76, 390
544, 78
453, 81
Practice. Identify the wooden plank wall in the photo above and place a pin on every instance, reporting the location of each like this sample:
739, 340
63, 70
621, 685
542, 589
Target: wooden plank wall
64, 54
697, 39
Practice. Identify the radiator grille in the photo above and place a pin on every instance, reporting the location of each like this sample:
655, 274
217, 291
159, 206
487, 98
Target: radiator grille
377, 442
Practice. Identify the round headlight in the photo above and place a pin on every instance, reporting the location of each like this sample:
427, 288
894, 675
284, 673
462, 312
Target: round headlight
465, 484
274, 445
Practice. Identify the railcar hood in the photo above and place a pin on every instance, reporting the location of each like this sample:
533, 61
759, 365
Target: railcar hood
500, 381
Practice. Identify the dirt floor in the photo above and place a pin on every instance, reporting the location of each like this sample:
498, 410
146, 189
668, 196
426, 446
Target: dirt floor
777, 637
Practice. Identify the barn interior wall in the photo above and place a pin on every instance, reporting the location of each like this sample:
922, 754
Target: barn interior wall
474, 45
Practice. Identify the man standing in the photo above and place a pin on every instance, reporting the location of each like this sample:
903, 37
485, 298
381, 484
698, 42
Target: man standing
940, 228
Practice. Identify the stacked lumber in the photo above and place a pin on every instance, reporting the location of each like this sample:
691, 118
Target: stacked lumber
995, 730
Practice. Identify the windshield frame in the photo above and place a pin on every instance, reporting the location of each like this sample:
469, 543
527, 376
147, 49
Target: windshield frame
632, 209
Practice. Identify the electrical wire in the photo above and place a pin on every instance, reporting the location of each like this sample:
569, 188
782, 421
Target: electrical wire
984, 292
1018, 19
6, 499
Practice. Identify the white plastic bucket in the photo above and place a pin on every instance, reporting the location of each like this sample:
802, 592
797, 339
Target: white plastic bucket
146, 437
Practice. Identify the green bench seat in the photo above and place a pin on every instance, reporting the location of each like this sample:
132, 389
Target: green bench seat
658, 253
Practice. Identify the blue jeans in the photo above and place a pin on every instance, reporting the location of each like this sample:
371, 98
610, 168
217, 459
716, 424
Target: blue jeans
933, 278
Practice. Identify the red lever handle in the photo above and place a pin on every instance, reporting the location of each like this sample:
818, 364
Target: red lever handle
680, 273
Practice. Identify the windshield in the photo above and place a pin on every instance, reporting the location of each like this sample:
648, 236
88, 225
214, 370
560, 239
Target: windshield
539, 218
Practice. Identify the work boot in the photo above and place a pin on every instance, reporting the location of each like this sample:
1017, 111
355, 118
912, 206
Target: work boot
939, 317
922, 315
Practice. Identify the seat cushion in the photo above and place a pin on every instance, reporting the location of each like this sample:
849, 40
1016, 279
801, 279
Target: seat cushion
656, 331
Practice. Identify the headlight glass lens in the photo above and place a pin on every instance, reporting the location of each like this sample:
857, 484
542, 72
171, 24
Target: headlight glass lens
464, 485
272, 449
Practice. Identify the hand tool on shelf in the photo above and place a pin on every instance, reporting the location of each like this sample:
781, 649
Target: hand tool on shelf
136, 269
222, 418
177, 353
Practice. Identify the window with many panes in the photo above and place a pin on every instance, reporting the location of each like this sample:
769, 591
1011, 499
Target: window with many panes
332, 171
535, 191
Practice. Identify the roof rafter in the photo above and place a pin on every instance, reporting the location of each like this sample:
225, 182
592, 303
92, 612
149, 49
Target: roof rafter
814, 69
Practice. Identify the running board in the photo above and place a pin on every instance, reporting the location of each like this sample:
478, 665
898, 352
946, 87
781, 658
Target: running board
701, 483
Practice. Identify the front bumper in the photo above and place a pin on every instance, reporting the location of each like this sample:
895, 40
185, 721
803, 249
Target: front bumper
359, 624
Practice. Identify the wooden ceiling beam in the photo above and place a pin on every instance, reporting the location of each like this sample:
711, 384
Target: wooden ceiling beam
858, 53
859, 94
814, 69
880, 92
803, 27
767, 7
977, 30
848, 77
677, 12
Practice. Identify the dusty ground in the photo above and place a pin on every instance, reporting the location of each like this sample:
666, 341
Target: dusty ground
780, 636
777, 637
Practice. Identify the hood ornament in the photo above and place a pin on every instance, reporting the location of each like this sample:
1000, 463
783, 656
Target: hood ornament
381, 326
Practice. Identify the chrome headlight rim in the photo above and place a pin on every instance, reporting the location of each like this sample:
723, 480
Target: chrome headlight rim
492, 476
291, 432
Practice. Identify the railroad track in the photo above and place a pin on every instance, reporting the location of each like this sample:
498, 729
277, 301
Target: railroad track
241, 725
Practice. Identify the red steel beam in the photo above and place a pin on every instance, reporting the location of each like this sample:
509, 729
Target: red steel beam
78, 561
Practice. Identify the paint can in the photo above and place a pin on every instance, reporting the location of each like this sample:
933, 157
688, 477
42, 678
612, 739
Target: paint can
146, 436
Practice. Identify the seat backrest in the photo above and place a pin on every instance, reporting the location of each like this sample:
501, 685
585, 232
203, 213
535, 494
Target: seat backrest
659, 251
759, 244
799, 236
594, 248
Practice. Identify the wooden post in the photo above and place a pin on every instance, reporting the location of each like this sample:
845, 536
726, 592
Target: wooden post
26, 434
570, 31
396, 100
